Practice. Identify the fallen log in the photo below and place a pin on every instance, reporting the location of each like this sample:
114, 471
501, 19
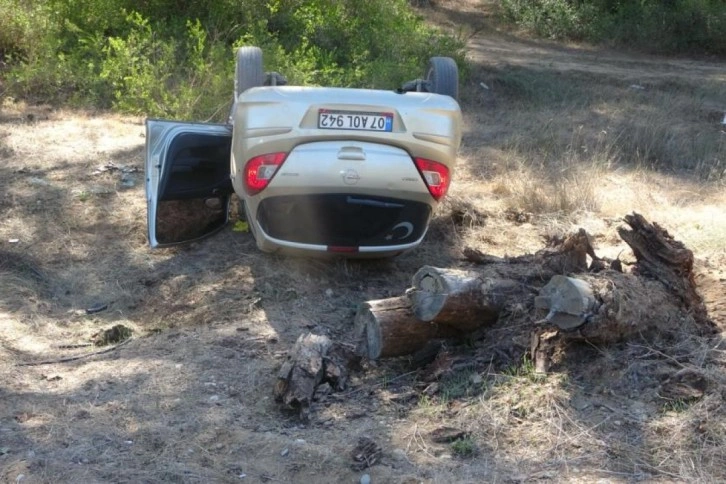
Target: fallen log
461, 299
450, 303
388, 327
565, 256
598, 303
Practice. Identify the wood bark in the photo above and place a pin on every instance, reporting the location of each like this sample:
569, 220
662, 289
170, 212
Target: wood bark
565, 256
303, 370
460, 299
314, 360
388, 327
662, 257
660, 296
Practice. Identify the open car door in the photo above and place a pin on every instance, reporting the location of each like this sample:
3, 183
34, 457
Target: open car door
188, 187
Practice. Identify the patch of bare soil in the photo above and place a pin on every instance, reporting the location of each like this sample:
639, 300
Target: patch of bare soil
189, 396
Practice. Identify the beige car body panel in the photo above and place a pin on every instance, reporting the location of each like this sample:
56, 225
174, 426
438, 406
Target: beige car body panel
277, 119
285, 119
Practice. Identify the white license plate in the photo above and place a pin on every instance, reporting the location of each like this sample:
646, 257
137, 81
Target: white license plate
328, 119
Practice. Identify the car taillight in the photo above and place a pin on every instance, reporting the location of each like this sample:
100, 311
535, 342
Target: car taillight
259, 171
436, 176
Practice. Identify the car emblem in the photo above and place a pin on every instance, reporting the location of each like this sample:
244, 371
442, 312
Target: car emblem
350, 177
407, 226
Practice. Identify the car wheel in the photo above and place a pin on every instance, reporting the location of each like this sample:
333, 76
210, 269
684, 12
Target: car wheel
443, 76
249, 71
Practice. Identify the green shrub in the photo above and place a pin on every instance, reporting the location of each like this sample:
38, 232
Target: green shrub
663, 26
555, 19
176, 59
19, 30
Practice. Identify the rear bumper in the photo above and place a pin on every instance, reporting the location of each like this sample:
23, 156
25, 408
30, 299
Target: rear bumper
271, 244
346, 224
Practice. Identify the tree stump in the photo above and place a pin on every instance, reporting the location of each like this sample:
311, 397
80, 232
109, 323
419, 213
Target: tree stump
659, 297
662, 257
314, 360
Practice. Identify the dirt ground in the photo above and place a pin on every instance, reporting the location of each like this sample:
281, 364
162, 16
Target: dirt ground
189, 397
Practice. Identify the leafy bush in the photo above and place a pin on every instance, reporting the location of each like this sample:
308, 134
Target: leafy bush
555, 19
170, 58
18, 32
664, 26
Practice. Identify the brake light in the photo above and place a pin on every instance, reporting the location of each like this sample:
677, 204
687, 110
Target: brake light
259, 171
436, 176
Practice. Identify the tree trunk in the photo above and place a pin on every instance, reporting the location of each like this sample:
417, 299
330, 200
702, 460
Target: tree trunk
460, 299
388, 327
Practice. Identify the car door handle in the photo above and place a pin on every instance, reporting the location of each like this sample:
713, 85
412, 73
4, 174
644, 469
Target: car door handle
351, 153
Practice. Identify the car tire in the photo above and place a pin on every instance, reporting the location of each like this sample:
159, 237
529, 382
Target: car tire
249, 71
443, 76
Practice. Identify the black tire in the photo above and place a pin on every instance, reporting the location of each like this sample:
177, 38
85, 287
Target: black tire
248, 72
443, 76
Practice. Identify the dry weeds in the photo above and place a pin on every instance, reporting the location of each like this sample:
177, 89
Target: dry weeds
562, 141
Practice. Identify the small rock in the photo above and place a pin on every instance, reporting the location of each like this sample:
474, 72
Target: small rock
399, 455
178, 365
284, 452
475, 379
329, 292
38, 181
365, 479
300, 442
214, 398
